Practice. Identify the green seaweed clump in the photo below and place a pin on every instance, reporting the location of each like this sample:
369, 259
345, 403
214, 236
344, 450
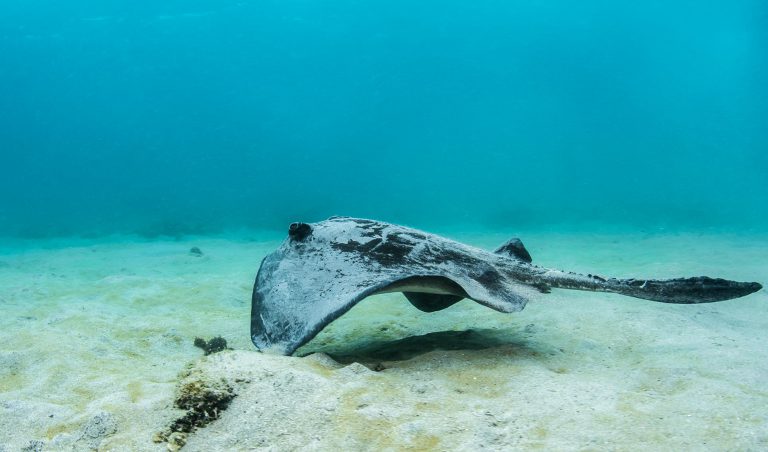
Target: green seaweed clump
204, 402
215, 345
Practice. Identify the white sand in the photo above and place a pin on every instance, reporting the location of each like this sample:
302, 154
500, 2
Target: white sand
94, 335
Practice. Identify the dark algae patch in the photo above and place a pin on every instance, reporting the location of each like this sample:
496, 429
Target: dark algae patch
204, 401
215, 345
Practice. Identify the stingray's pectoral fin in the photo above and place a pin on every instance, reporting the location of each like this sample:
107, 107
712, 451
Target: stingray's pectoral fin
700, 289
432, 293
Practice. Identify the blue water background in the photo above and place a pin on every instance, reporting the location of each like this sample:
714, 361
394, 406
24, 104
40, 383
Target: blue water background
172, 117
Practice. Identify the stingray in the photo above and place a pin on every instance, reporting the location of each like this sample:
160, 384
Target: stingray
323, 269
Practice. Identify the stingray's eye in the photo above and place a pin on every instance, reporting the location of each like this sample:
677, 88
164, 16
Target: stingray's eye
299, 231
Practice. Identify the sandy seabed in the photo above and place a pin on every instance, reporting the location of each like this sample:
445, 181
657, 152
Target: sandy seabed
96, 340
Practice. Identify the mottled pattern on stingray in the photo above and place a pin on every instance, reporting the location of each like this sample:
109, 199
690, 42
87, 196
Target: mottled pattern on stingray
323, 269
312, 279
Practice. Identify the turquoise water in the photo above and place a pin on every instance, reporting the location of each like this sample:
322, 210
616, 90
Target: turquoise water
624, 139
199, 116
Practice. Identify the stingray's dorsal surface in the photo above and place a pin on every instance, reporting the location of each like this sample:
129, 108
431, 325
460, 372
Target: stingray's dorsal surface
323, 269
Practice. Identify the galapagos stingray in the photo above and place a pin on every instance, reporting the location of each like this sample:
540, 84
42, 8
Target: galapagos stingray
323, 269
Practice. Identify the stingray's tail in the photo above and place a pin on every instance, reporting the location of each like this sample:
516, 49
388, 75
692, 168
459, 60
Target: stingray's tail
700, 289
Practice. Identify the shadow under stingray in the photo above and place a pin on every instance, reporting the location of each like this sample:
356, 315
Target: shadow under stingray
413, 346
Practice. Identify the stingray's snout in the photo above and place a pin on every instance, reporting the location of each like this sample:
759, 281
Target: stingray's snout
299, 231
